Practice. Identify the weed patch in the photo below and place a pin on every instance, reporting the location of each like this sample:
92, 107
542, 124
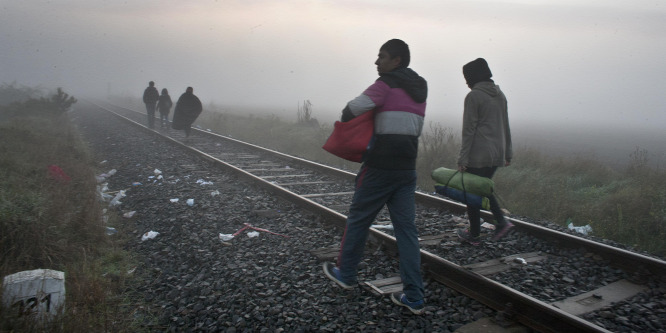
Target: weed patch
50, 218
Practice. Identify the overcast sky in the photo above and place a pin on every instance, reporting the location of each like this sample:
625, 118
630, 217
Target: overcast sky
559, 62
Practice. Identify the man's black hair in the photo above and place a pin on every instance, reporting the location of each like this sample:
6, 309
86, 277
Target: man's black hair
397, 48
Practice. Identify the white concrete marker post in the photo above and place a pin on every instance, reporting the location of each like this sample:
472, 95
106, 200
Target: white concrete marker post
39, 293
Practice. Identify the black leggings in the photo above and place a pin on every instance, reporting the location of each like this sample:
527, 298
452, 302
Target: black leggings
474, 214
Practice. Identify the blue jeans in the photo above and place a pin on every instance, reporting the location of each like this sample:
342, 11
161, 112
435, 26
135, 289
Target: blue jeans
374, 189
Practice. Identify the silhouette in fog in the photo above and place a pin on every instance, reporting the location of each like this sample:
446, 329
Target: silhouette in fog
486, 141
150, 96
388, 174
188, 108
164, 107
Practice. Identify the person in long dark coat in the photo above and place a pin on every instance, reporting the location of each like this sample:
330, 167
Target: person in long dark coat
164, 106
188, 108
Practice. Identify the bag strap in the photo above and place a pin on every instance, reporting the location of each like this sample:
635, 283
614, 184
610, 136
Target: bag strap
462, 180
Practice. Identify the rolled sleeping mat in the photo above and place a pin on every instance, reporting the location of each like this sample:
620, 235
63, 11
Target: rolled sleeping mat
472, 183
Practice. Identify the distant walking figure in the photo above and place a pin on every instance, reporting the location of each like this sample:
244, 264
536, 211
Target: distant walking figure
188, 108
486, 142
388, 174
164, 107
150, 97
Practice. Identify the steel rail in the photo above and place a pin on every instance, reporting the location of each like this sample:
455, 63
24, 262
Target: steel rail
630, 261
627, 260
524, 309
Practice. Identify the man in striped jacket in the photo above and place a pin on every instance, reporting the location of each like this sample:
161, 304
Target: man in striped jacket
388, 174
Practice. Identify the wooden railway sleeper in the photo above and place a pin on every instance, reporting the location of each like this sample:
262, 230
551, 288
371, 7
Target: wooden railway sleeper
506, 317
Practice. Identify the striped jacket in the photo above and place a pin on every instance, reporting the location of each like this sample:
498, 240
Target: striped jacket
398, 99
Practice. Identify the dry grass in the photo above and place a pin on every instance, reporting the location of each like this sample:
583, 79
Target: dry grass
55, 222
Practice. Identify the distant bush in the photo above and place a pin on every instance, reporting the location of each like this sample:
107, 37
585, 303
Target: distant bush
55, 105
12, 93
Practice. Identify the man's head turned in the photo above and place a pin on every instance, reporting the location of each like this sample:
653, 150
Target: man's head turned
189, 90
397, 48
151, 83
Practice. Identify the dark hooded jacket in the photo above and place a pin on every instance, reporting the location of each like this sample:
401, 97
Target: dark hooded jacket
164, 104
150, 95
486, 136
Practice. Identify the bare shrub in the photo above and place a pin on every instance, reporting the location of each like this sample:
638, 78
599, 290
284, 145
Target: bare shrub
438, 148
304, 115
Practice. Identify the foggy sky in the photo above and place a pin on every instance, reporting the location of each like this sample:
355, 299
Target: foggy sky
560, 63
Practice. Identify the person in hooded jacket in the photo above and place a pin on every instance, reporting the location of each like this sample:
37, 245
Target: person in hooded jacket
150, 96
188, 108
486, 142
164, 104
388, 172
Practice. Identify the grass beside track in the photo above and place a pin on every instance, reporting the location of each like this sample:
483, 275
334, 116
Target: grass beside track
54, 221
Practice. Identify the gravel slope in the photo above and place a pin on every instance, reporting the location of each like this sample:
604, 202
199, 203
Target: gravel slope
269, 283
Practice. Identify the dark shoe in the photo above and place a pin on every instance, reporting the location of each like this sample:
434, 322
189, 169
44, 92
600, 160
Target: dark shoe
417, 307
501, 231
333, 273
465, 236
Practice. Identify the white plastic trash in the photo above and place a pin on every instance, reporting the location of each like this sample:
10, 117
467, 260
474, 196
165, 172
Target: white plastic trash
383, 226
157, 172
586, 229
488, 226
116, 199
129, 214
174, 200
252, 234
226, 237
214, 193
149, 235
520, 261
190, 202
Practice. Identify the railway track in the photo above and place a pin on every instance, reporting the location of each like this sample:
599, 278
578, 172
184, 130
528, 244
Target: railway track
482, 274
